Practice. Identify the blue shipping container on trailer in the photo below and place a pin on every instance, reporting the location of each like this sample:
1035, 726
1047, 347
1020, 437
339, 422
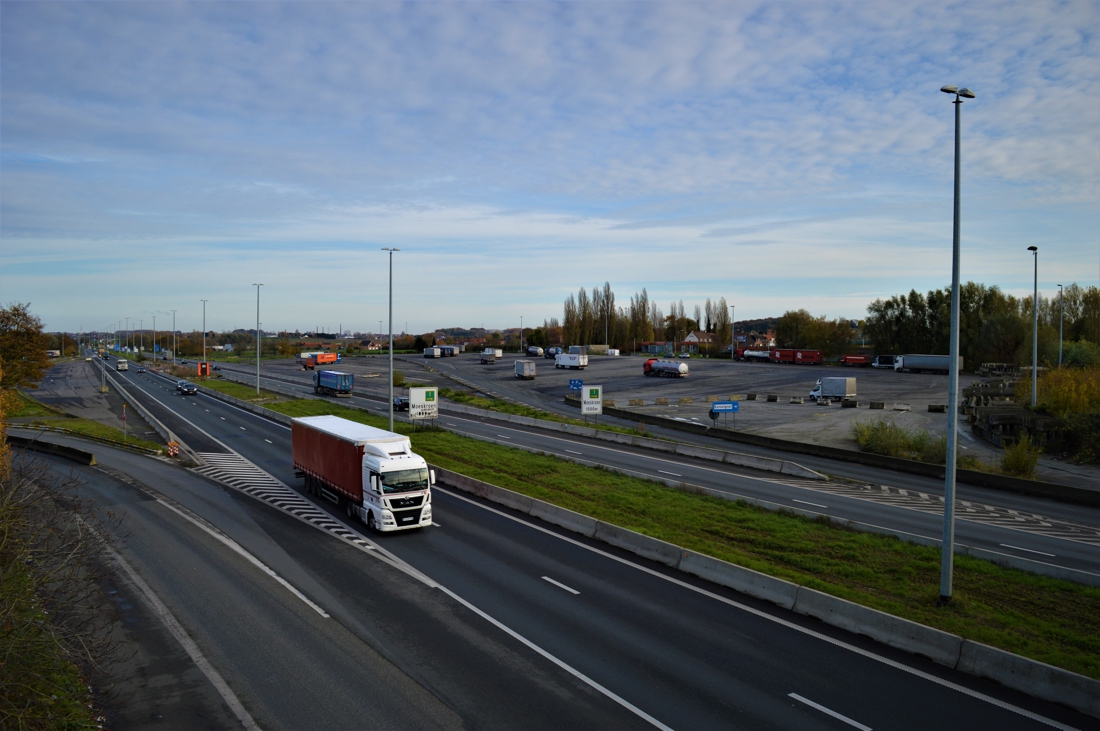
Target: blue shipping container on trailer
333, 383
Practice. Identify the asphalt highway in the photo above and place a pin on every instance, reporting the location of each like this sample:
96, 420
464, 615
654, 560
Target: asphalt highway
530, 627
1026, 527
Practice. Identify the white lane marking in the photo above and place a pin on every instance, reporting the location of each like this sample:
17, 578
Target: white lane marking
448, 423
503, 437
188, 644
778, 620
572, 452
561, 664
1017, 548
560, 585
207, 410
242, 428
269, 441
234, 546
249, 413
670, 473
437, 525
829, 712
816, 505
222, 418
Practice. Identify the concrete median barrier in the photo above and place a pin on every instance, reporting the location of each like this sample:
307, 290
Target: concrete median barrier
942, 647
1031, 676
498, 495
576, 522
637, 543
57, 450
739, 578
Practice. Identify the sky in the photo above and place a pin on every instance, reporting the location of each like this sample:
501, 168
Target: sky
781, 155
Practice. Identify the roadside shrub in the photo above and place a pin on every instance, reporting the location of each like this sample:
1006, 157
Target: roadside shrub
398, 378
1081, 354
1021, 458
887, 438
1064, 392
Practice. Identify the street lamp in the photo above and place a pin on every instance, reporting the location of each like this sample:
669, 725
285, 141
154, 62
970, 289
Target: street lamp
391, 250
1034, 325
257, 286
521, 336
204, 328
1061, 314
154, 340
733, 331
947, 560
174, 343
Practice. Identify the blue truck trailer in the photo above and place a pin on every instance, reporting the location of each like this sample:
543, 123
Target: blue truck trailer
333, 383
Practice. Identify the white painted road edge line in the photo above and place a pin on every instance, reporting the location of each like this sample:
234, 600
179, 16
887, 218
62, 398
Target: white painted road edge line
564, 666
188, 644
804, 502
674, 474
1029, 550
560, 585
778, 620
829, 712
233, 545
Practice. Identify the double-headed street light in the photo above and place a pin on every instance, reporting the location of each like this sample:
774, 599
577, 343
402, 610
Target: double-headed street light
947, 559
391, 250
1034, 325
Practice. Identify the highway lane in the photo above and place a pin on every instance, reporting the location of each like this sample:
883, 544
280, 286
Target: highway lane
1003, 523
690, 659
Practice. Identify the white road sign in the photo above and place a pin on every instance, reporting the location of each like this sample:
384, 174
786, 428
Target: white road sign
424, 403
592, 400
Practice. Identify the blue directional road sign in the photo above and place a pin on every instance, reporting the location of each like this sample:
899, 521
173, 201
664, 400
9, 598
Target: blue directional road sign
726, 406
575, 384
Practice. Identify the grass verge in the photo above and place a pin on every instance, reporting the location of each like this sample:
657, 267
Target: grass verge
238, 390
1051, 620
489, 404
45, 416
29, 408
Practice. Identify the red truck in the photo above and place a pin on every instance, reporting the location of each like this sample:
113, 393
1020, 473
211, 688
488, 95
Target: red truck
861, 361
793, 355
315, 359
372, 473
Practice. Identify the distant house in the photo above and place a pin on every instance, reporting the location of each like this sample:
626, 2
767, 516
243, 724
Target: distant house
697, 340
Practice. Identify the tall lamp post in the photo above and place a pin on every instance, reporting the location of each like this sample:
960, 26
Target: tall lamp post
733, 332
1034, 325
154, 340
204, 327
257, 286
174, 344
947, 560
391, 250
1061, 317
521, 336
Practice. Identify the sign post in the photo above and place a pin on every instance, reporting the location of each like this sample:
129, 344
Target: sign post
423, 403
592, 401
725, 408
124, 422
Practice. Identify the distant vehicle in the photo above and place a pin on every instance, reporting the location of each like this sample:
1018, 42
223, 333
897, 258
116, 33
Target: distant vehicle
488, 356
122, 365
525, 369
180, 385
753, 356
572, 361
189, 389
664, 368
449, 351
217, 367
333, 383
400, 403
831, 388
578, 350
552, 352
88, 359
883, 361
534, 351
924, 363
794, 355
141, 369
316, 359
371, 473
860, 361
613, 352
433, 352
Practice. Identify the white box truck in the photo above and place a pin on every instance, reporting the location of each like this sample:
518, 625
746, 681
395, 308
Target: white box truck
924, 363
573, 361
433, 352
122, 365
488, 356
525, 369
831, 388
372, 473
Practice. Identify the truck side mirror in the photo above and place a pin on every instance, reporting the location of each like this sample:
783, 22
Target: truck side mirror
374, 483
431, 474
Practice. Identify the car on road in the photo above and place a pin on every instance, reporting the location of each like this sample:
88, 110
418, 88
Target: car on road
400, 403
141, 369
189, 389
180, 384
217, 367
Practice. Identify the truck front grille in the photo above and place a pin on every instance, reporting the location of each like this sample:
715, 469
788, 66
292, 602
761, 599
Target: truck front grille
407, 502
407, 517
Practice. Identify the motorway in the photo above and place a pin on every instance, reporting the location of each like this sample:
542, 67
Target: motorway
508, 622
1003, 523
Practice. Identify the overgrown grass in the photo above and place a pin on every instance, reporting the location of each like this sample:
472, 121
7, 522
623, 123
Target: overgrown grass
28, 407
1054, 621
889, 439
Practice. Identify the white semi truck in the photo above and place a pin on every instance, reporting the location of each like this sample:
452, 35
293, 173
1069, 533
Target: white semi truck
372, 473
831, 388
574, 361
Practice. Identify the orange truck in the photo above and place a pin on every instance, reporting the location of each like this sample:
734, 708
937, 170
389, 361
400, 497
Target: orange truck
310, 361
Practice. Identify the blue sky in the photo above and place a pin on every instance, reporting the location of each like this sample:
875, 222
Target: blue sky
780, 155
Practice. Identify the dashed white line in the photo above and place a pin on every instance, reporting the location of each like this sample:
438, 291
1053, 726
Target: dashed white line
269, 441
572, 452
222, 418
437, 525
816, 505
1017, 548
503, 437
829, 712
560, 585
242, 428
674, 474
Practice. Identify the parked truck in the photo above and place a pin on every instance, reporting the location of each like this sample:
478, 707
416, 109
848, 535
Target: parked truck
573, 361
924, 363
316, 359
333, 383
665, 368
793, 355
831, 388
433, 352
534, 351
449, 351
756, 356
883, 361
488, 356
552, 352
525, 369
860, 361
373, 474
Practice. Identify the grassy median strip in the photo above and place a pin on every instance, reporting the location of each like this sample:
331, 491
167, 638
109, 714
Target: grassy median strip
238, 390
45, 416
504, 407
1055, 621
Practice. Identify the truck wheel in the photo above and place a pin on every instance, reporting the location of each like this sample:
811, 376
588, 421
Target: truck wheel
371, 524
353, 514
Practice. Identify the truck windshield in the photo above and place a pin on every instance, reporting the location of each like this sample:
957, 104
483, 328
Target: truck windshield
405, 480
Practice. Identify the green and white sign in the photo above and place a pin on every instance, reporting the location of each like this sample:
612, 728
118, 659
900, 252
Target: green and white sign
424, 403
592, 400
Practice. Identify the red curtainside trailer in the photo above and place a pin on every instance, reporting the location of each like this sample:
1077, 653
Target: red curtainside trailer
794, 355
862, 361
